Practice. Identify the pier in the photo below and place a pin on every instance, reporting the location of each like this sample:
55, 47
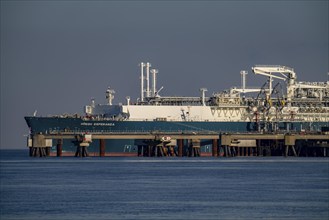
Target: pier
186, 144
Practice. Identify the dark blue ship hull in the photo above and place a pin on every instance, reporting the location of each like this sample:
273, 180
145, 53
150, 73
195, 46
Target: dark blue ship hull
51, 124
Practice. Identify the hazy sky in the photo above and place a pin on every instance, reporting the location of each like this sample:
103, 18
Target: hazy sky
57, 55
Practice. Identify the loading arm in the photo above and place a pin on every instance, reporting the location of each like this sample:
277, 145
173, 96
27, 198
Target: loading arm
269, 70
287, 74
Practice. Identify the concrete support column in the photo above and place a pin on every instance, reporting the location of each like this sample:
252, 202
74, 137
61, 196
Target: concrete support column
78, 152
226, 143
101, 147
287, 150
294, 151
258, 148
84, 151
155, 148
139, 150
59, 147
226, 150
190, 148
233, 151
142, 151
48, 151
289, 140
215, 147
172, 151
149, 150
180, 147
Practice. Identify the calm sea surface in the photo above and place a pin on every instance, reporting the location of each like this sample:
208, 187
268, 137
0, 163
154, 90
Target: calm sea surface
163, 188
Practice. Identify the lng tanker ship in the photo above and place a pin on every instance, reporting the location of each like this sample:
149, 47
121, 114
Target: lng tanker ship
287, 105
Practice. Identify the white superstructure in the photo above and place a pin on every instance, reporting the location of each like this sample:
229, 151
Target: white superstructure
300, 101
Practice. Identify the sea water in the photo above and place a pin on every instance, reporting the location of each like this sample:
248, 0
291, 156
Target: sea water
163, 188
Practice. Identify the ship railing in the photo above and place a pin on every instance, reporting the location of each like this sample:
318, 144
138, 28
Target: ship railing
166, 133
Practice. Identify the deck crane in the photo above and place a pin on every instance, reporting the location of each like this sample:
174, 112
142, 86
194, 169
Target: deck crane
287, 74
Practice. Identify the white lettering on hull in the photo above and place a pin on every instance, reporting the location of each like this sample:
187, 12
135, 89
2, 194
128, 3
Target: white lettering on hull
97, 124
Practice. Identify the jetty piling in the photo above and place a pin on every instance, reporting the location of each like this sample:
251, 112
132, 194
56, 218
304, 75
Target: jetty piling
102, 147
59, 147
180, 147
